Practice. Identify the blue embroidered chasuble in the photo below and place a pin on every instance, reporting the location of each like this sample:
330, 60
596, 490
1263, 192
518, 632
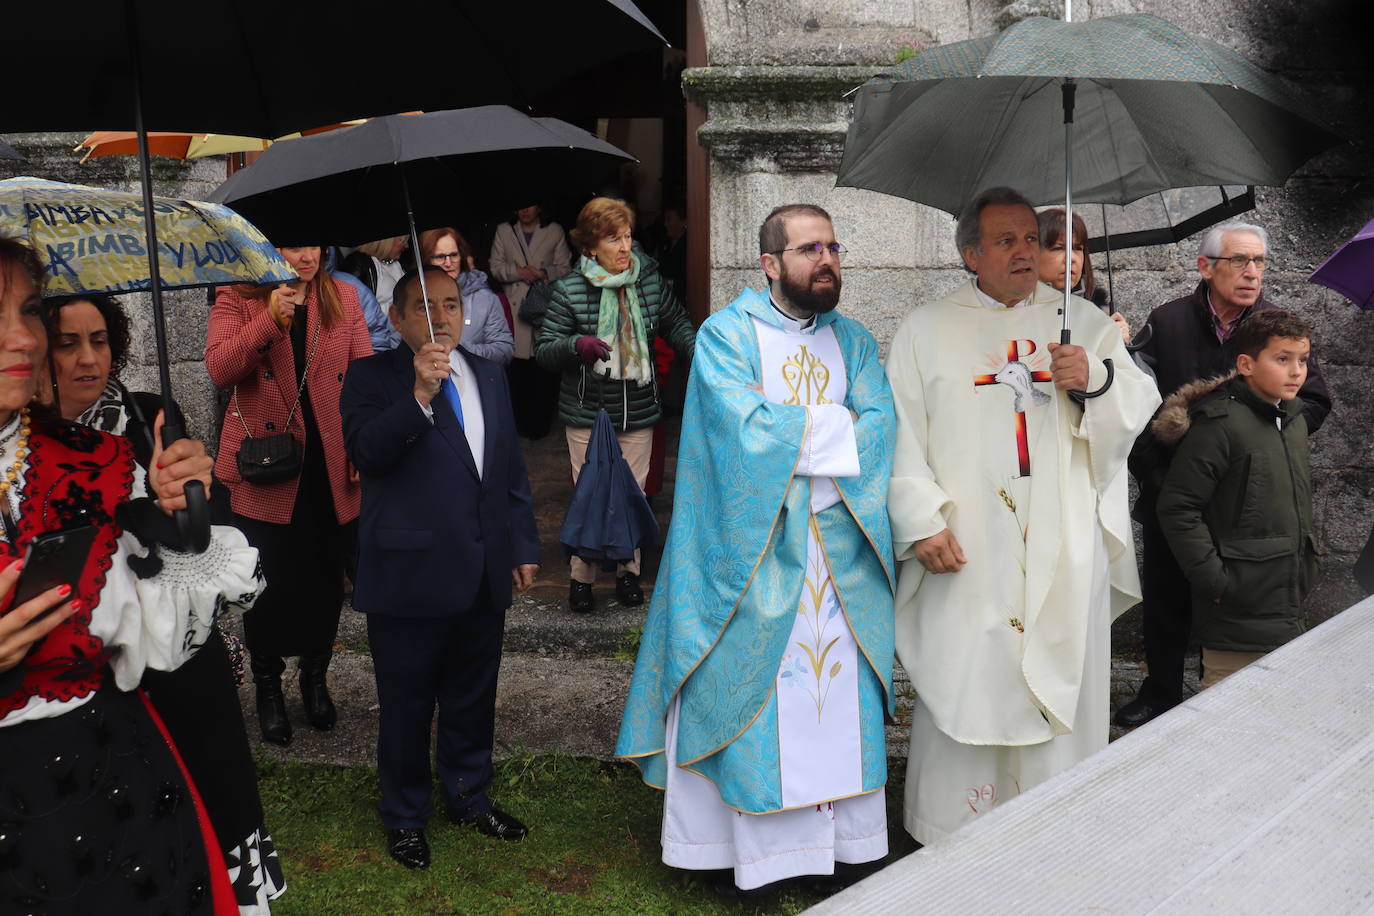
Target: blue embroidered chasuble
734, 565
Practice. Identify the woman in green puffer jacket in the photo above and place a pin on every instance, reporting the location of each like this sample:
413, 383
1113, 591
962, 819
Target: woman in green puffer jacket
599, 333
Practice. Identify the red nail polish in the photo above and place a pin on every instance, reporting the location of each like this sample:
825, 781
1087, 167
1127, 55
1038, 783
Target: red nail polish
77, 606
158, 466
15, 565
64, 590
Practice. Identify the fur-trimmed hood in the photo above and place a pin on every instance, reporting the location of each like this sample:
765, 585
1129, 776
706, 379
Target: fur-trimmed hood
1172, 421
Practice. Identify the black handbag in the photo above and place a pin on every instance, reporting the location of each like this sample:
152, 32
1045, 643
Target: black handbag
536, 303
538, 296
269, 459
276, 458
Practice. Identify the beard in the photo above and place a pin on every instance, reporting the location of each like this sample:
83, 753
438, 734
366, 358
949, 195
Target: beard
804, 296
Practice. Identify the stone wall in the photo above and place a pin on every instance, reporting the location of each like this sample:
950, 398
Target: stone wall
774, 90
50, 156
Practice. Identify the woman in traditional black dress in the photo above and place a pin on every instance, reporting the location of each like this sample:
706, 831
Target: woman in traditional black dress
88, 338
97, 813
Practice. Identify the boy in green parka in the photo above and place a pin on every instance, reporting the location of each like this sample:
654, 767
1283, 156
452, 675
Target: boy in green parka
1236, 506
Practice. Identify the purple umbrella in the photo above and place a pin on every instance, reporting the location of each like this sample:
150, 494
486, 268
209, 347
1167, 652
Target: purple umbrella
1350, 271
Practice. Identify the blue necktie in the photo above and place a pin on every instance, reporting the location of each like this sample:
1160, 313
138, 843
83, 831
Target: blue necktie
451, 395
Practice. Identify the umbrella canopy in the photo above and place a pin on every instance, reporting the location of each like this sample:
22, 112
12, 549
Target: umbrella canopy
350, 187
266, 68
1165, 217
266, 92
1153, 108
177, 145
1350, 269
91, 239
608, 516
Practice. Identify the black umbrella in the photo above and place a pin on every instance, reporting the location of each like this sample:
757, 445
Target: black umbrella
608, 516
392, 174
291, 66
267, 68
350, 186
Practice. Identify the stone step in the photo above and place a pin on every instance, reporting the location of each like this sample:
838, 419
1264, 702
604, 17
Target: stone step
539, 623
556, 703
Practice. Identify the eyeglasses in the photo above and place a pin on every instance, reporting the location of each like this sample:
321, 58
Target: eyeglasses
813, 250
446, 257
1239, 261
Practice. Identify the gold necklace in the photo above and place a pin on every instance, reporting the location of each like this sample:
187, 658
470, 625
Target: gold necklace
11, 477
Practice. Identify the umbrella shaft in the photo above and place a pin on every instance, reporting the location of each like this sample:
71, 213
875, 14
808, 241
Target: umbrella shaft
149, 229
1069, 90
415, 249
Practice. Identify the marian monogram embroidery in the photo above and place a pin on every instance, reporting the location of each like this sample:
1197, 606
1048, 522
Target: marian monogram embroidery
806, 377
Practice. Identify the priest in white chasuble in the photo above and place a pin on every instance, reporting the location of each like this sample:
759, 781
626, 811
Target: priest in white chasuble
765, 668
1009, 522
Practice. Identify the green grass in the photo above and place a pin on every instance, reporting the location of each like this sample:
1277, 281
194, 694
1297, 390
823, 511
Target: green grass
593, 848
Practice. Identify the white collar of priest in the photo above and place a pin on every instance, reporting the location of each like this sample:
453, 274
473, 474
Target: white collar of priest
990, 303
795, 325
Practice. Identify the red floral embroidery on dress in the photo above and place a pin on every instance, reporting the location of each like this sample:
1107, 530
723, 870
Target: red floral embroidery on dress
74, 476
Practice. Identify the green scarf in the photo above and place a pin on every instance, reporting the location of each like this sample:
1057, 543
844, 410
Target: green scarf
620, 322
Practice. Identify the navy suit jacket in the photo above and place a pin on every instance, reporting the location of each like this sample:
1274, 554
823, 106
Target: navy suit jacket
430, 528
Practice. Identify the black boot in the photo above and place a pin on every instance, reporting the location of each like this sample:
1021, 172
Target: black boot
579, 597
628, 591
267, 669
319, 708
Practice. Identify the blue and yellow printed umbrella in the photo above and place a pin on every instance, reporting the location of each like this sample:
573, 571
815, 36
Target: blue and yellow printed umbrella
91, 240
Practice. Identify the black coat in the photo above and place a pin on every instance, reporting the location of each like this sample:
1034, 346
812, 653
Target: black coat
430, 529
1236, 508
1182, 347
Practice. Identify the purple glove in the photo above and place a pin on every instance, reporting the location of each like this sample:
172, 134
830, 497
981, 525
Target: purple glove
590, 349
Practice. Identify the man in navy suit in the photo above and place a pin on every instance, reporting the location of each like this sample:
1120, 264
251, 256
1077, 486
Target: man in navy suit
446, 532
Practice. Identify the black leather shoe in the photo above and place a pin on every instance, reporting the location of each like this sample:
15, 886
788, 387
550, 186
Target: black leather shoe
319, 707
493, 823
580, 597
271, 705
1141, 710
627, 590
408, 846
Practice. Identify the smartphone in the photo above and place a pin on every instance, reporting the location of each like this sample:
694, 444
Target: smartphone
54, 558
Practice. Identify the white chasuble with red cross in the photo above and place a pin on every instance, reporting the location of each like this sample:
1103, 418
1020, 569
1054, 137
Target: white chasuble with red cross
1033, 486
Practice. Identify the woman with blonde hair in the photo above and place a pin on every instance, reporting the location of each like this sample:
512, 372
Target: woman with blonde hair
284, 351
602, 319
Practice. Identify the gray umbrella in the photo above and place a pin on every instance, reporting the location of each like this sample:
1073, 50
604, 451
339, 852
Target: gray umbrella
1142, 105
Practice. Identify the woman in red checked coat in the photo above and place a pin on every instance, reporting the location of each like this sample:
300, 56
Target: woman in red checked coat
284, 351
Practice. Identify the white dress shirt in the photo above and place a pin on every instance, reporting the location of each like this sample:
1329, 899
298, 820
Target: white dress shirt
474, 424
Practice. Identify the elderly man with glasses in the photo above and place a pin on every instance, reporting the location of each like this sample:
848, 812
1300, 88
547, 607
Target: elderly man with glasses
1184, 341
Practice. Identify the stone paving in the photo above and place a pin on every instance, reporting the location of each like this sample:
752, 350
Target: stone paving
561, 689
563, 676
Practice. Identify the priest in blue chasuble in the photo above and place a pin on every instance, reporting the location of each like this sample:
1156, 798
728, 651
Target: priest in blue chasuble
765, 668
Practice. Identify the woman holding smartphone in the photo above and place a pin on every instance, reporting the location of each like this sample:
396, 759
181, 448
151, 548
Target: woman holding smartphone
99, 814
88, 339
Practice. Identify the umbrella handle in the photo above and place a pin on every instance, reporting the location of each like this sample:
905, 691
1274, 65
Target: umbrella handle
193, 522
1081, 396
